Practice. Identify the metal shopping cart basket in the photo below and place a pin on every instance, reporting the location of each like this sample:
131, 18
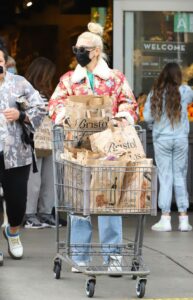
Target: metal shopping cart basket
76, 189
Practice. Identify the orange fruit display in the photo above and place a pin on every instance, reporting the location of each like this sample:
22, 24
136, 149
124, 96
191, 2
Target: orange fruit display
141, 109
190, 112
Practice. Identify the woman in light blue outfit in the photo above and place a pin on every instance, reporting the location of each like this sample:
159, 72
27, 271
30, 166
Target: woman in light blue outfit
166, 108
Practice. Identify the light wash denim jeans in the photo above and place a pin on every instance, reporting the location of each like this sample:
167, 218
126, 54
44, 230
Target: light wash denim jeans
171, 158
110, 232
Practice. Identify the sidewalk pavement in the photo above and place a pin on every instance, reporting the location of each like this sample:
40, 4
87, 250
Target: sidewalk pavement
169, 256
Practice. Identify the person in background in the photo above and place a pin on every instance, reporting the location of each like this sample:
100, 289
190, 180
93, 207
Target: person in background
141, 102
40, 197
166, 107
11, 65
92, 76
141, 99
21, 110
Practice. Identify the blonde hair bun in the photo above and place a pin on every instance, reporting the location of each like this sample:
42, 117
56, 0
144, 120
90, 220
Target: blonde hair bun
95, 28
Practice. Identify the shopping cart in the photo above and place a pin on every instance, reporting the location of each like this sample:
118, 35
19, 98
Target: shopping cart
75, 194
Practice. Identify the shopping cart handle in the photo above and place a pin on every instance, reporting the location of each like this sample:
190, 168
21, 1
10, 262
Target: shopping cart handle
138, 127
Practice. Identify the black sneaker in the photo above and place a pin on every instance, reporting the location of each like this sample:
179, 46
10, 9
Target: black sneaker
47, 220
33, 222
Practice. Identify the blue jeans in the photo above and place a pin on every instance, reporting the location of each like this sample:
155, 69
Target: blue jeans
110, 232
171, 158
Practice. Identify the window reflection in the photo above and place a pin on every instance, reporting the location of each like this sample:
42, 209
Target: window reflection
159, 38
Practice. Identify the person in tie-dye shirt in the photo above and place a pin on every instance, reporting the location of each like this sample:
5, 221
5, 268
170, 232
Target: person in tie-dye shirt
21, 107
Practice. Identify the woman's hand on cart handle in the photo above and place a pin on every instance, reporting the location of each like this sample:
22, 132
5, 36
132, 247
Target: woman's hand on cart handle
60, 117
125, 118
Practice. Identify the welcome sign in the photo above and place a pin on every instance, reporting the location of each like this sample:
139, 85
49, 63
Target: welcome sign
166, 47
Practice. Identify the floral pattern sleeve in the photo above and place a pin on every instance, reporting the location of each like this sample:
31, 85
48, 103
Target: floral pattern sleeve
60, 95
125, 99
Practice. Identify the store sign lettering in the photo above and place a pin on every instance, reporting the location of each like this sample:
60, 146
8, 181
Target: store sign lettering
183, 22
164, 47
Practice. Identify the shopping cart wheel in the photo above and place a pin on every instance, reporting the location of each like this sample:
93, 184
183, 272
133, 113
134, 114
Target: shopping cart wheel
1, 258
57, 268
90, 287
135, 267
140, 288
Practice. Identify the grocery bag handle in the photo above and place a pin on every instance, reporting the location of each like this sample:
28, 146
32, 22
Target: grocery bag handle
89, 102
88, 113
112, 125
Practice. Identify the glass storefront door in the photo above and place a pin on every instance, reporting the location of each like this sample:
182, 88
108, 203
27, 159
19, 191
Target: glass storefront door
158, 38
146, 37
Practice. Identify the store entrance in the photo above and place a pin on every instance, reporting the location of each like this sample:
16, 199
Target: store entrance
146, 38
159, 38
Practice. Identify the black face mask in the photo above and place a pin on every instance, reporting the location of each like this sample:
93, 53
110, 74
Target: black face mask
83, 58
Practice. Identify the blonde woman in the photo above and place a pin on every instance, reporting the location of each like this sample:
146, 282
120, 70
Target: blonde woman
93, 76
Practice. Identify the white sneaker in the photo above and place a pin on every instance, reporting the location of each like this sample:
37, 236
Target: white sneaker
5, 218
115, 263
184, 224
15, 247
163, 225
80, 264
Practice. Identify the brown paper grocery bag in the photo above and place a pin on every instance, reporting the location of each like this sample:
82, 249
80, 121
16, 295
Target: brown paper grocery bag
106, 184
79, 155
91, 101
136, 188
74, 178
88, 112
73, 186
118, 141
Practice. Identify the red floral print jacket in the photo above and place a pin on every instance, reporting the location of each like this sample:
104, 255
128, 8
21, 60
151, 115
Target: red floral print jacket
106, 82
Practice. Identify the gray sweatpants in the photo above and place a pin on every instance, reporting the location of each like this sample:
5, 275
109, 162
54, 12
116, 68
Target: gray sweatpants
171, 158
40, 196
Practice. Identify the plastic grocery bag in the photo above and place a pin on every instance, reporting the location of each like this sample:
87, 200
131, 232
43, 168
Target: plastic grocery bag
136, 188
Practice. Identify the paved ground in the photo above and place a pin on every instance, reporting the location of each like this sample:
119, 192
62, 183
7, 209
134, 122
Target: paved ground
168, 255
